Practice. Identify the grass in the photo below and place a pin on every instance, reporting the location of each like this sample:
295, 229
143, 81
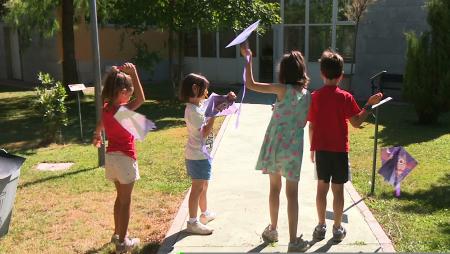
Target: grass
71, 211
417, 221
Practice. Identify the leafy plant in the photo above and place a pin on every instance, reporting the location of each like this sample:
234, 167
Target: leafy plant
427, 73
145, 58
49, 103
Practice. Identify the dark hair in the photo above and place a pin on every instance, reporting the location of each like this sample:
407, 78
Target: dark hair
331, 64
115, 82
189, 80
293, 69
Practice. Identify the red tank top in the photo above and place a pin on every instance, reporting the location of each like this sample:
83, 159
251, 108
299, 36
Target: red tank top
119, 139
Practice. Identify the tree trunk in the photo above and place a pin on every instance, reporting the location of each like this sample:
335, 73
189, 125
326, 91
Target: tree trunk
350, 89
179, 73
70, 74
171, 68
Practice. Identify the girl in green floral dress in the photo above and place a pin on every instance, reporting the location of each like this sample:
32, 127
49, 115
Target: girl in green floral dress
282, 149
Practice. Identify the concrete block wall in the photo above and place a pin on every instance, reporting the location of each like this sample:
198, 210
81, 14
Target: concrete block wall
381, 41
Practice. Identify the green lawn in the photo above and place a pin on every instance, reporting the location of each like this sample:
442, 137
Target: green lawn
71, 211
419, 220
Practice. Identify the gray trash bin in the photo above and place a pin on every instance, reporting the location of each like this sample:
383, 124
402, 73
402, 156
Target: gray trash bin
9, 177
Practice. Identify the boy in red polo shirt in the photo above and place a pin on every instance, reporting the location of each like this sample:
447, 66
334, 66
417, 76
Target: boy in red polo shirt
331, 108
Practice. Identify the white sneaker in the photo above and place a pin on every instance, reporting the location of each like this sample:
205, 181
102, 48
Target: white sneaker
270, 235
198, 228
206, 218
127, 245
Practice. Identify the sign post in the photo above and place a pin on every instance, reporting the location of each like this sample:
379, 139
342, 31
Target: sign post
375, 136
77, 88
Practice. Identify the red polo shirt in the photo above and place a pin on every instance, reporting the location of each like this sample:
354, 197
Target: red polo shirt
119, 139
331, 107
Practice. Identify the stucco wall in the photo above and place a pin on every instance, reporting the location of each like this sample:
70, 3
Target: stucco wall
381, 41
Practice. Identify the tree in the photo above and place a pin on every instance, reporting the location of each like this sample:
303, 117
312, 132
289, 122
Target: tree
354, 11
179, 17
39, 17
427, 71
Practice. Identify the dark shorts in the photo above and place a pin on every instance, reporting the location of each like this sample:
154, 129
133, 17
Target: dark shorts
199, 169
332, 165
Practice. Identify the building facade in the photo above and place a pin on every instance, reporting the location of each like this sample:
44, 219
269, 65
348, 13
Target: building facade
307, 25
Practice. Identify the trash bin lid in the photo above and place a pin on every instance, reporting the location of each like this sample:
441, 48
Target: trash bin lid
9, 163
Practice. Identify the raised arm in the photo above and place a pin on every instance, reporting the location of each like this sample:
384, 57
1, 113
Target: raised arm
130, 69
250, 83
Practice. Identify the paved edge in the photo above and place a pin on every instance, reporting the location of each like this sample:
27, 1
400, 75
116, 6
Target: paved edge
178, 222
377, 230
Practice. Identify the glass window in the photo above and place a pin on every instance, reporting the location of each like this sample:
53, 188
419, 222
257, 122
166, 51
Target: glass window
191, 44
294, 38
345, 36
319, 40
225, 37
294, 11
208, 44
342, 5
320, 11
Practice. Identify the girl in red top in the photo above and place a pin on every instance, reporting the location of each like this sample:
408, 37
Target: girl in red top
120, 163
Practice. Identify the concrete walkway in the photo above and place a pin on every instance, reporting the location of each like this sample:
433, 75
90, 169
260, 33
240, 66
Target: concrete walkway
239, 195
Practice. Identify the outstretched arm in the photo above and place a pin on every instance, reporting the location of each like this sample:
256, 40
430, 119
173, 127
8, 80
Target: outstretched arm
357, 120
130, 69
250, 83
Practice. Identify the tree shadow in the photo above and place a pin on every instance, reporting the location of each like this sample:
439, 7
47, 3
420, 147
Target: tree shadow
258, 248
401, 127
63, 175
435, 198
169, 242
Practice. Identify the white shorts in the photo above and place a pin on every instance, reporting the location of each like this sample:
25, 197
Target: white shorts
121, 168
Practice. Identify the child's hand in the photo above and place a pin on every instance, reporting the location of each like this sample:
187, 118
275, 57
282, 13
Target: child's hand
313, 156
374, 99
97, 140
231, 96
128, 68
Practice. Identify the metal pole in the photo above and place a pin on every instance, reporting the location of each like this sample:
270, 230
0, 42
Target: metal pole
79, 115
375, 148
97, 76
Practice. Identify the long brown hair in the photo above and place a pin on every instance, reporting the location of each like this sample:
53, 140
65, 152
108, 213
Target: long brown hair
115, 82
293, 69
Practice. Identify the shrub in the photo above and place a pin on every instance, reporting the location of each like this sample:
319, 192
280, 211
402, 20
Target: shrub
427, 73
49, 103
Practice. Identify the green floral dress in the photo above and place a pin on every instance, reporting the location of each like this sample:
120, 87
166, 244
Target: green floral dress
282, 148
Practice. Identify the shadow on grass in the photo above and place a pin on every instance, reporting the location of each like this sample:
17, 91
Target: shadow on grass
401, 127
66, 174
435, 198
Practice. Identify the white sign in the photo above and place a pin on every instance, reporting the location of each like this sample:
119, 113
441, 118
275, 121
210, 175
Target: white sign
76, 87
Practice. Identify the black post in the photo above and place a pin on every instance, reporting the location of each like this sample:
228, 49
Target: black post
79, 115
375, 149
375, 136
97, 77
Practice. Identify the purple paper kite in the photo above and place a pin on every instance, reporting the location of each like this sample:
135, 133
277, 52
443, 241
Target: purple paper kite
396, 165
219, 105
